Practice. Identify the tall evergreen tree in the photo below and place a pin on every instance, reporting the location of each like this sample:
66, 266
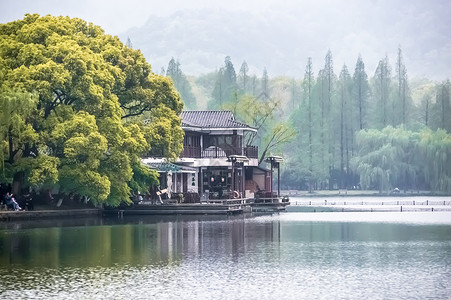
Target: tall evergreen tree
244, 76
129, 43
442, 106
320, 84
308, 84
329, 79
425, 110
382, 82
226, 88
229, 72
265, 86
181, 83
361, 91
346, 125
218, 91
402, 106
174, 71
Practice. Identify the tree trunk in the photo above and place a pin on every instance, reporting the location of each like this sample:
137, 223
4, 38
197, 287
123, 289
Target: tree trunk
18, 181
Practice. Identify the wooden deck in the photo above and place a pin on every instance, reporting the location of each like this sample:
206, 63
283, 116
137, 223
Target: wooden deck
176, 209
207, 207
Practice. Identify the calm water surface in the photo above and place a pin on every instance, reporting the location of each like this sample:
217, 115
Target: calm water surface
285, 256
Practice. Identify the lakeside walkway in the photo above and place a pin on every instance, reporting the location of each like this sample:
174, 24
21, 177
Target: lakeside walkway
210, 207
9, 215
370, 203
359, 193
323, 201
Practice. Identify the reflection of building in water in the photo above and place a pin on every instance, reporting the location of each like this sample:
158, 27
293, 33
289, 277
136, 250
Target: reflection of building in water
140, 244
233, 237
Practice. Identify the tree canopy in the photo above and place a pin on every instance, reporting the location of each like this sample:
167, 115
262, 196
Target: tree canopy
72, 101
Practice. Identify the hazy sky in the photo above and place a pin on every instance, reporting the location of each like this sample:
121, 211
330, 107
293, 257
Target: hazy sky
115, 16
374, 28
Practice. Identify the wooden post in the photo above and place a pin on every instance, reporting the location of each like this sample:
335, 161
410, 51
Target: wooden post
233, 179
271, 178
278, 180
242, 180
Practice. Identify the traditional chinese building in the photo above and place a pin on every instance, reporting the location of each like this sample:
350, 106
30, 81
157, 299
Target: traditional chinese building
216, 162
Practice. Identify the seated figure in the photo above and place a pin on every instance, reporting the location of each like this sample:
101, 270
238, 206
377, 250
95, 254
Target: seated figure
11, 202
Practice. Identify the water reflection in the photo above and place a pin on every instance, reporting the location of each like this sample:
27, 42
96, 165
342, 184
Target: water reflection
130, 241
286, 256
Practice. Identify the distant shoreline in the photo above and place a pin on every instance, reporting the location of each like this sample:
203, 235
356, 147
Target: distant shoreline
359, 193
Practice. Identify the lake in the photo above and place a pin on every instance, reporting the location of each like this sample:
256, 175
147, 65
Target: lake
342, 255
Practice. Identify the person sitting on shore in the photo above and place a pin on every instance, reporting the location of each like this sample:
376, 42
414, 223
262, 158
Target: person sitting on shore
11, 202
28, 200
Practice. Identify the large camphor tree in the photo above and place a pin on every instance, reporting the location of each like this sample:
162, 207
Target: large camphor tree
72, 101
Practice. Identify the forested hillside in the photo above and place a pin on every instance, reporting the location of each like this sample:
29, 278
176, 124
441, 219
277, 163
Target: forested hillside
345, 128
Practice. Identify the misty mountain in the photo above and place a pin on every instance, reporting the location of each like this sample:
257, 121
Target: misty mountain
200, 40
282, 41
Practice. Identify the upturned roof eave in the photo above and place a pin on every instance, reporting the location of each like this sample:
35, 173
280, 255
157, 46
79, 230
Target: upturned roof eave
209, 129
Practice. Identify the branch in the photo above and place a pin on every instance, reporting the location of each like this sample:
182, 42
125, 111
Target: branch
135, 113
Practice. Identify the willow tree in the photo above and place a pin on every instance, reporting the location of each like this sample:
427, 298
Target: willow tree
435, 159
387, 158
81, 95
271, 134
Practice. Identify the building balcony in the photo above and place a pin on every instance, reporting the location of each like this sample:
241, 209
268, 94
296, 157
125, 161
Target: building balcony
217, 152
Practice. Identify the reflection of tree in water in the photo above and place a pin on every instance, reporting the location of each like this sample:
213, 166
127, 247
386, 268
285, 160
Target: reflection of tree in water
165, 242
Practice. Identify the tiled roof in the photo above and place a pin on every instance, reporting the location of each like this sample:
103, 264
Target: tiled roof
211, 119
167, 166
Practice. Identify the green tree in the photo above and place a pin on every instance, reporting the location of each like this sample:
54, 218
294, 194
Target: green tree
346, 125
83, 94
308, 85
434, 159
442, 107
401, 107
181, 84
129, 43
304, 158
387, 158
264, 95
381, 101
243, 76
361, 92
271, 134
326, 84
226, 88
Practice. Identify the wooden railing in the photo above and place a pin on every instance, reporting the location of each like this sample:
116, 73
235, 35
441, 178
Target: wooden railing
216, 152
251, 151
